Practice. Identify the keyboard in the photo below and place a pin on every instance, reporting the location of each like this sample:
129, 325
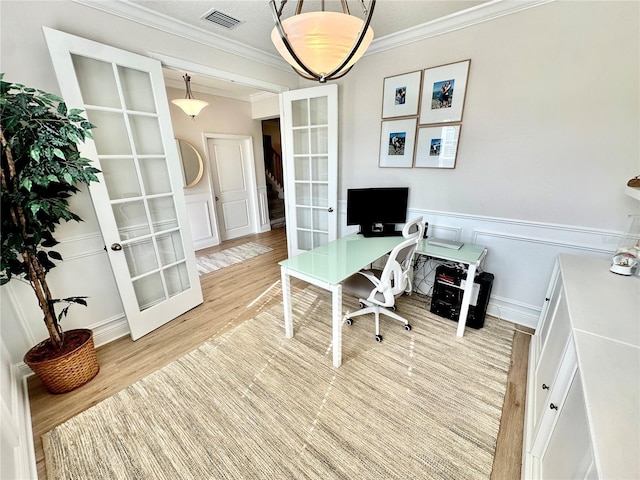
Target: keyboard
441, 242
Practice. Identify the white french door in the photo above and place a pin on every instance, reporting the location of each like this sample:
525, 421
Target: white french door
139, 200
310, 161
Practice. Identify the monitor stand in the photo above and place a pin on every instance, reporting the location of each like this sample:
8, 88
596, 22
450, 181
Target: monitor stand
380, 230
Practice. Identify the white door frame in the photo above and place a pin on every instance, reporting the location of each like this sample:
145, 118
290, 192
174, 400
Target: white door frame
258, 208
181, 65
261, 205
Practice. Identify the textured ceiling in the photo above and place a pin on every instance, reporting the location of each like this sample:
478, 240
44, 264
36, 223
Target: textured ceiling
390, 16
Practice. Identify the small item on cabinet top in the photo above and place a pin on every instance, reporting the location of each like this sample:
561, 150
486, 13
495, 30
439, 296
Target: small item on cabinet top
625, 259
634, 182
624, 263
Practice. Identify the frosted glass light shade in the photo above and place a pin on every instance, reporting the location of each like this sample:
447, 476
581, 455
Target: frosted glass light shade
322, 41
190, 106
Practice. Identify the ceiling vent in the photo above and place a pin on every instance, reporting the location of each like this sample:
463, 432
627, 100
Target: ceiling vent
222, 19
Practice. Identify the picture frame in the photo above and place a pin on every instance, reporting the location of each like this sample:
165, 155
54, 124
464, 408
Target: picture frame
437, 146
443, 93
397, 142
401, 95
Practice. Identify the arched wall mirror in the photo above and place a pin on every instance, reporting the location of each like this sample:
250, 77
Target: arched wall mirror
192, 166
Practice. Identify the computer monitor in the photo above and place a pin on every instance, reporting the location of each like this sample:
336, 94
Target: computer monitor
377, 210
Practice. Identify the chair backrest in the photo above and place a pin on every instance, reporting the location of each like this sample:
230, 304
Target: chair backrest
395, 277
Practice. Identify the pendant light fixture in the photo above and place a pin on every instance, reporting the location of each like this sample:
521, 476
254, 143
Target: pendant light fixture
322, 45
189, 105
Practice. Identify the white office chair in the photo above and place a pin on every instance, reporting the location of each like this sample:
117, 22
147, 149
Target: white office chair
377, 289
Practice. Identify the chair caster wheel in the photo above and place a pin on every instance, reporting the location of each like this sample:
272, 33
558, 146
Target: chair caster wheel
407, 327
362, 305
349, 321
378, 338
394, 308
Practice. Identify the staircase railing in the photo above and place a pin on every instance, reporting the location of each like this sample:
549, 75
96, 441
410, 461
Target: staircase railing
273, 167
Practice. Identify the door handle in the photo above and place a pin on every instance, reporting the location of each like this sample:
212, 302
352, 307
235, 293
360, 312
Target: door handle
330, 210
217, 198
116, 247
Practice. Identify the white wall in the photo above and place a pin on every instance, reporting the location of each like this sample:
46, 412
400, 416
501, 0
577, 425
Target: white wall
551, 120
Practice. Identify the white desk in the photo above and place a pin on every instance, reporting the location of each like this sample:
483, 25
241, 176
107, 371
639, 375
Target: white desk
327, 267
470, 255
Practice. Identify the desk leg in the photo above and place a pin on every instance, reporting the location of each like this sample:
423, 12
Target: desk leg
336, 309
286, 302
466, 299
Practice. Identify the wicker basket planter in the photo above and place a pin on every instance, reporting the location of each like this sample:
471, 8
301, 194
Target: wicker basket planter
69, 370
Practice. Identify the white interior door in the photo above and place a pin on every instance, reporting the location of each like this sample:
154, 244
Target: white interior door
233, 177
139, 200
310, 160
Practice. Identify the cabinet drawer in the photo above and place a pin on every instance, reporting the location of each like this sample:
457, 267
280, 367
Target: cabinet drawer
549, 307
569, 451
547, 373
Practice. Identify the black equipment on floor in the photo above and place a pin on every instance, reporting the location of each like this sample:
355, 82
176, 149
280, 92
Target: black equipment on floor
449, 288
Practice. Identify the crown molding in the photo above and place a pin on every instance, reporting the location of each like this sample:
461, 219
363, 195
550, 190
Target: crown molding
456, 21
196, 68
167, 24
472, 16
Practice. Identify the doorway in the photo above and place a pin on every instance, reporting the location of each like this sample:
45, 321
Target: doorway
273, 171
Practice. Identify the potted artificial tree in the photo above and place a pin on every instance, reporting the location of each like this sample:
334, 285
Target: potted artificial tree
41, 169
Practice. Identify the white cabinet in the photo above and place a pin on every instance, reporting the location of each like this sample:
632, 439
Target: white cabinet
583, 388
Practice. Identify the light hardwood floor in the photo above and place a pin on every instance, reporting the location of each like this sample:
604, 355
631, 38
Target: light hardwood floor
227, 294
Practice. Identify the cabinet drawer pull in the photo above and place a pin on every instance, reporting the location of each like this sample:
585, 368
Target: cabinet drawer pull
553, 407
545, 386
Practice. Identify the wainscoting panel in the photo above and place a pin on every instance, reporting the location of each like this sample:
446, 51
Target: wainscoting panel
263, 210
201, 213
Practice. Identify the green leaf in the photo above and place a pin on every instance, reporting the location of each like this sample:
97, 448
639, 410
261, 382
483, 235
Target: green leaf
35, 208
55, 255
68, 178
34, 152
58, 153
26, 183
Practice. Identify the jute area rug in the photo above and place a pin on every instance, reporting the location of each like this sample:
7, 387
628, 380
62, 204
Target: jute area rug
230, 256
252, 404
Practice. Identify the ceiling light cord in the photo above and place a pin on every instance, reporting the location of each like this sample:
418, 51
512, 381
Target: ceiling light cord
187, 83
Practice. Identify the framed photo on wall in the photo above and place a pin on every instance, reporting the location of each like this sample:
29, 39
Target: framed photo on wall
397, 142
401, 95
437, 146
443, 92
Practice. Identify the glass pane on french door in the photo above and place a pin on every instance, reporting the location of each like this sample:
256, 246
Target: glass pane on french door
131, 155
312, 166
